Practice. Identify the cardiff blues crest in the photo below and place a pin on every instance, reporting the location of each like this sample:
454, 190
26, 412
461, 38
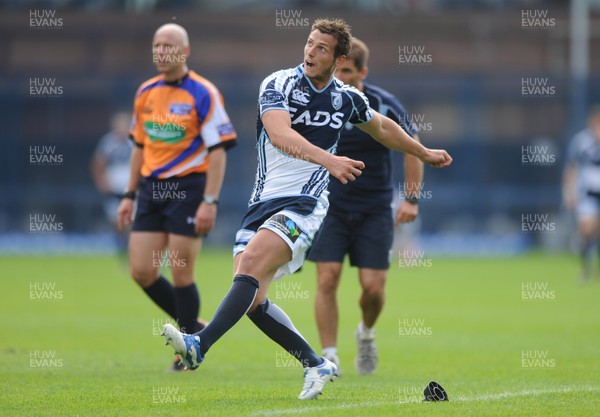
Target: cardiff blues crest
336, 100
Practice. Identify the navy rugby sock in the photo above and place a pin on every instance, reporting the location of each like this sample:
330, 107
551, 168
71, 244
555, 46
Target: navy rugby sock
273, 322
163, 294
233, 307
187, 300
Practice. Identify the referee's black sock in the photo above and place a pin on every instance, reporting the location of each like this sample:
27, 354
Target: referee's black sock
233, 307
187, 301
163, 294
273, 322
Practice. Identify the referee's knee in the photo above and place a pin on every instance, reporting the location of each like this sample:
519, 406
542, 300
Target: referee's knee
143, 276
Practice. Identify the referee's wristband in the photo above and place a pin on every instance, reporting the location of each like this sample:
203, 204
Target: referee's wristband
209, 199
412, 199
129, 194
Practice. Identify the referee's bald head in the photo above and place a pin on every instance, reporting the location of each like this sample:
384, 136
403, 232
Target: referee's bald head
176, 33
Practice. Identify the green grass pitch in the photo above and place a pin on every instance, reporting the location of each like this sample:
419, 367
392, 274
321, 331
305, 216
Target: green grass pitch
505, 337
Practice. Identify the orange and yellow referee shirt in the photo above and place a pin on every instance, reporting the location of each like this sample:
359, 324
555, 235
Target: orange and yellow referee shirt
178, 123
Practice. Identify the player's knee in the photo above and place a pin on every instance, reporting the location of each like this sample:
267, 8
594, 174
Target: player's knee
253, 263
374, 291
328, 280
328, 284
143, 276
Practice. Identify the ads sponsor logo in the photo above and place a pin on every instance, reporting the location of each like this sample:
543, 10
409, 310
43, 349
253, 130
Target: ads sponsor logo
320, 118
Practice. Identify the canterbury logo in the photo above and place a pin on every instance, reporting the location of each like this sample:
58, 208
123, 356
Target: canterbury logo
300, 96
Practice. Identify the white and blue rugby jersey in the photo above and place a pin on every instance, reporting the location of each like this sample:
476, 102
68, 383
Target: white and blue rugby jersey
584, 151
317, 115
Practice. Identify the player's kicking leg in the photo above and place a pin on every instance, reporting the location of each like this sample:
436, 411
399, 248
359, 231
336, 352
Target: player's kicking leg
255, 268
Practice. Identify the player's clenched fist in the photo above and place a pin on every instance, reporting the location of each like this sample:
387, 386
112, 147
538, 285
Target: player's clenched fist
437, 158
345, 169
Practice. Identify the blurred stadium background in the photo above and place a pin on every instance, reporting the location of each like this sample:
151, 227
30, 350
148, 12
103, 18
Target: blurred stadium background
459, 67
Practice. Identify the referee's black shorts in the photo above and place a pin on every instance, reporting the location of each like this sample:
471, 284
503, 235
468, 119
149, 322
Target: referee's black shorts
366, 237
169, 205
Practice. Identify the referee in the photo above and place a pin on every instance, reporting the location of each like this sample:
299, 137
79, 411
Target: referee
181, 133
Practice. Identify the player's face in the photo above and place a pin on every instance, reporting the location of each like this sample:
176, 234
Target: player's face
319, 62
168, 52
349, 74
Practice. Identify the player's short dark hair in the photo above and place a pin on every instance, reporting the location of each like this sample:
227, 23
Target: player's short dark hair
340, 30
359, 54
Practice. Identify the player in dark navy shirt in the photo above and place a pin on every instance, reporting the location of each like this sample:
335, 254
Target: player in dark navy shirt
359, 221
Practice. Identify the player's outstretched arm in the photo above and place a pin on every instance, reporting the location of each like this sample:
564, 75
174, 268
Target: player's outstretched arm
279, 128
384, 130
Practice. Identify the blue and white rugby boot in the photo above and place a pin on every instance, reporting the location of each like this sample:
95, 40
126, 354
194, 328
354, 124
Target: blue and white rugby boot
187, 346
315, 379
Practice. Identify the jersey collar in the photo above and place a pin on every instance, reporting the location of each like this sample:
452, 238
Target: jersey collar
300, 69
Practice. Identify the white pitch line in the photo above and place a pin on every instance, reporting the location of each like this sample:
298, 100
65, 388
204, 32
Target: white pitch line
477, 397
